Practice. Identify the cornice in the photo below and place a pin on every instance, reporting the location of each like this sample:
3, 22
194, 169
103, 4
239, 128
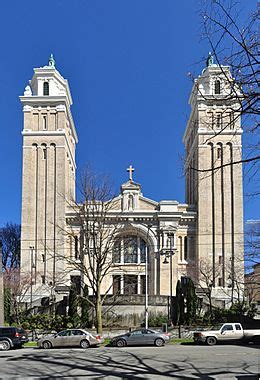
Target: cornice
36, 101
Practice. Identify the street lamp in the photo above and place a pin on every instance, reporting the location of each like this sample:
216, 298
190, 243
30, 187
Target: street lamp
168, 254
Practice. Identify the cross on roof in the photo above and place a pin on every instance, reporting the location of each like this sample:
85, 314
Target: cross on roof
130, 170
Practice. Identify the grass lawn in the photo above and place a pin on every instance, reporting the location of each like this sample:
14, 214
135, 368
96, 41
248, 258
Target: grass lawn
30, 344
182, 340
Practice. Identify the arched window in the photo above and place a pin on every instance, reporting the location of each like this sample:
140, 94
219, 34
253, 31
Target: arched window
130, 249
219, 151
217, 87
180, 248
45, 88
44, 151
185, 248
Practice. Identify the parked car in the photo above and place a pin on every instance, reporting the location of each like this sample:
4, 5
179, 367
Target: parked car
12, 337
70, 338
140, 338
226, 332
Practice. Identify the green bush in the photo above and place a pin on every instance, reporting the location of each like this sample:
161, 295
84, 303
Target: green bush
156, 320
45, 322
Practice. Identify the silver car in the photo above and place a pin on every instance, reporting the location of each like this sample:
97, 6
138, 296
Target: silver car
140, 338
70, 338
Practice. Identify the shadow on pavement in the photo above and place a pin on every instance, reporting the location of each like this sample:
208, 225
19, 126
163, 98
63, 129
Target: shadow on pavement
119, 363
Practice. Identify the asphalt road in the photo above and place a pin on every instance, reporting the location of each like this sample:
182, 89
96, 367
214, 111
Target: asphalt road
172, 361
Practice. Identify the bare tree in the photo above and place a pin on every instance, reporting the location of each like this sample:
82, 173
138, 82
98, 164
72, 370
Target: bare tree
16, 286
252, 259
95, 234
10, 236
252, 244
236, 46
205, 282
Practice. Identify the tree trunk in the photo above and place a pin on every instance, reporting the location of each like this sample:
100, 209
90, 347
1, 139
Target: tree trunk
99, 313
210, 307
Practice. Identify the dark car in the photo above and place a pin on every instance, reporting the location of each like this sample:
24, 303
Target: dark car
12, 337
140, 338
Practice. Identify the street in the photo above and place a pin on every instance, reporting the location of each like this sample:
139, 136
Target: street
171, 361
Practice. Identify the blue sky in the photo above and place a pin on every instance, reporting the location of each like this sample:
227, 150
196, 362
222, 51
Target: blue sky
127, 63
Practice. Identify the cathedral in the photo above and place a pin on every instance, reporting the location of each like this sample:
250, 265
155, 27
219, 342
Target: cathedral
159, 242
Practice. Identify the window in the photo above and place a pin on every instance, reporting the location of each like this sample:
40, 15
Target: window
43, 280
218, 153
220, 282
231, 121
143, 284
77, 332
180, 248
137, 332
185, 248
218, 121
64, 333
129, 249
45, 88
211, 119
116, 255
238, 327
142, 250
116, 284
220, 260
44, 122
44, 153
76, 280
217, 87
76, 247
227, 328
130, 284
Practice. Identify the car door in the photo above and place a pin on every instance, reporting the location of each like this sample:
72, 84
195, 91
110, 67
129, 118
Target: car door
76, 337
239, 331
148, 336
227, 332
136, 338
62, 339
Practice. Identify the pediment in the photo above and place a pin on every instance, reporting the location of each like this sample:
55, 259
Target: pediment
142, 204
147, 204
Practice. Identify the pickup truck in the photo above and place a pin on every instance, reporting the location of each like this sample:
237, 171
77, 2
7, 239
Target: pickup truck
226, 332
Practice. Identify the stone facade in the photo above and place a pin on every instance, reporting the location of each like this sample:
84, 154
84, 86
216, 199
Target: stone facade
213, 141
179, 238
49, 139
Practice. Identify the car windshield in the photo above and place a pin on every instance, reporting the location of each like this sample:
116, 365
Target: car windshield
216, 327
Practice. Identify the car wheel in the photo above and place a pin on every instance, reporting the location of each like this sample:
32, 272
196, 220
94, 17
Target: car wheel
46, 344
120, 343
5, 345
84, 344
159, 342
211, 341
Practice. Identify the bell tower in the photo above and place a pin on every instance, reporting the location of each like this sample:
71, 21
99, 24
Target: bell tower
214, 178
48, 178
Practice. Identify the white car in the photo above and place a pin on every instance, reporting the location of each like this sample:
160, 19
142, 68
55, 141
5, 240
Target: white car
70, 338
226, 332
